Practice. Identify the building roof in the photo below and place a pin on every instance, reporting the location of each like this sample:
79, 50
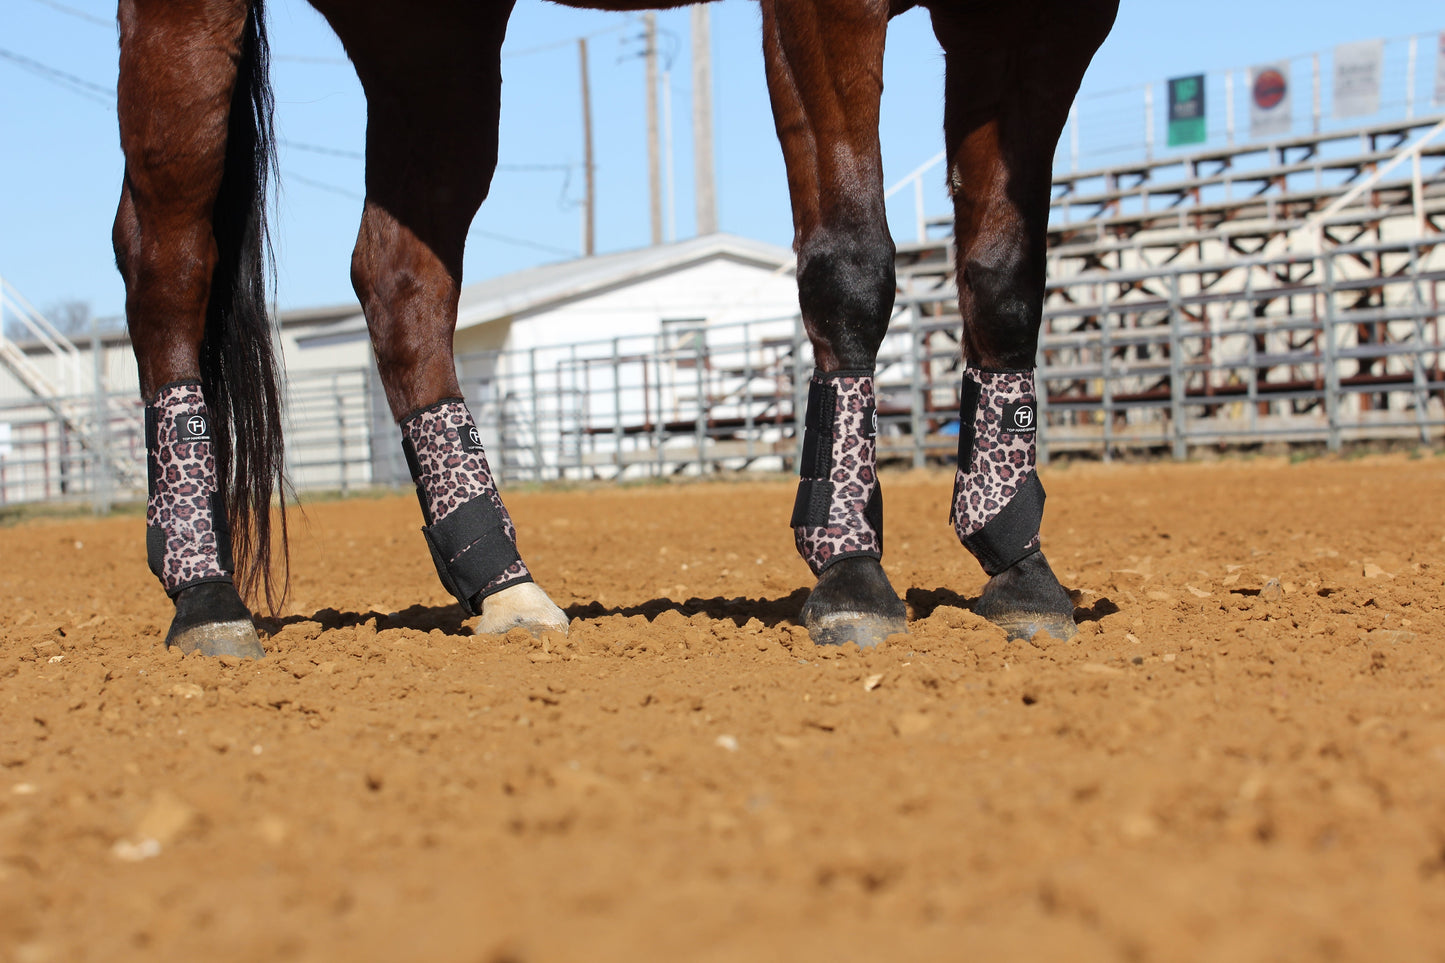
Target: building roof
540, 288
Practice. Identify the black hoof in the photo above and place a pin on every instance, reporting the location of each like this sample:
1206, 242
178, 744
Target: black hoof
212, 619
853, 602
1027, 599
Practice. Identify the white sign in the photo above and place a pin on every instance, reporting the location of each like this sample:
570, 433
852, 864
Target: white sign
1440, 72
1269, 100
1357, 77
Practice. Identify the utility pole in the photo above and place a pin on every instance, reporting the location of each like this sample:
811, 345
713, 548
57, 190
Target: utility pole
654, 165
670, 173
702, 122
589, 205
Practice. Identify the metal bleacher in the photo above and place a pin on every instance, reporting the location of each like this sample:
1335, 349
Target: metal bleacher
1284, 291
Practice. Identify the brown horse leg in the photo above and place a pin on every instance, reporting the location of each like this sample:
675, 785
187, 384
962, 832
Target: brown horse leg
1012, 71
824, 65
177, 72
431, 150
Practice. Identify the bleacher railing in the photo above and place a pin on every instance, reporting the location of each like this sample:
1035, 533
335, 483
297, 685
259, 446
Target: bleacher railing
1128, 126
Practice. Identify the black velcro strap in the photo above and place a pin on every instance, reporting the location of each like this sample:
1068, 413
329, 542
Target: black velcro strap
967, 415
153, 440
968, 396
221, 523
155, 549
1008, 537
822, 403
810, 508
817, 455
817, 460
873, 512
413, 465
470, 548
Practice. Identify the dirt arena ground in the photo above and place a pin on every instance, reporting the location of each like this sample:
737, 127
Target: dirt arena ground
1241, 756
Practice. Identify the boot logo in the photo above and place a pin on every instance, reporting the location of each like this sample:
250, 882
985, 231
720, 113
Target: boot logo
471, 438
1019, 417
193, 428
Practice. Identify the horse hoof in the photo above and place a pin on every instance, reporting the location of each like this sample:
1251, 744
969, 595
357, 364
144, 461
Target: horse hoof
523, 606
840, 628
218, 638
1027, 599
854, 602
211, 619
1026, 625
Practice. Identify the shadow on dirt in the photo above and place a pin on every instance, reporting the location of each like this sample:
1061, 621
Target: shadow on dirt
770, 612
423, 618
922, 602
739, 610
1095, 612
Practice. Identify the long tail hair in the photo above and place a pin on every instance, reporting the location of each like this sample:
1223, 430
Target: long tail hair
239, 370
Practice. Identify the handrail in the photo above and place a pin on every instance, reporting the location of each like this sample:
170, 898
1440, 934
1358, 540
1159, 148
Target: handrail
1313, 229
916, 179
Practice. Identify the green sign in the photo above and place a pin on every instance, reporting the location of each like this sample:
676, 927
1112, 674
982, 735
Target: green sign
1186, 110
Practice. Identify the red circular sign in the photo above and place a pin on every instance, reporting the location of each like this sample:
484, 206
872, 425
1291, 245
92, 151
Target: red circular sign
1269, 89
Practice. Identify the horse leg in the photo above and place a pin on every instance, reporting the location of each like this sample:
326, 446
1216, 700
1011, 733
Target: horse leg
824, 66
178, 73
1011, 76
431, 148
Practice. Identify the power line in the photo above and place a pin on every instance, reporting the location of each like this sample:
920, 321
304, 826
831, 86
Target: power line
569, 42
360, 156
106, 97
322, 185
78, 14
505, 239
76, 85
319, 149
489, 235
312, 59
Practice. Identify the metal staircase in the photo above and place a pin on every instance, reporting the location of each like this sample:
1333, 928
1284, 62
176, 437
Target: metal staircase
76, 400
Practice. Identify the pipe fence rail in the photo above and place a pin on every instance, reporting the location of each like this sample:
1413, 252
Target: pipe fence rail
1325, 349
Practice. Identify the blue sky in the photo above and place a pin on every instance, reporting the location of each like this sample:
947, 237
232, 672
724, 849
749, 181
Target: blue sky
60, 162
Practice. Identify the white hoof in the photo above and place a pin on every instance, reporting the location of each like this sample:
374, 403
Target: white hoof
523, 606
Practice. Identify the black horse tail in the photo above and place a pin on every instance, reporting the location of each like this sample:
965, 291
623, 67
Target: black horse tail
239, 370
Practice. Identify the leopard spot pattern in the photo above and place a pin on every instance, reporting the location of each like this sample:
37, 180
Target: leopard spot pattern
853, 479
180, 502
452, 476
1001, 460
